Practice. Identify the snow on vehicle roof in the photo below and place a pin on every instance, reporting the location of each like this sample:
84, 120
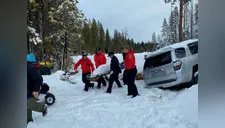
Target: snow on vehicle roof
182, 44
170, 47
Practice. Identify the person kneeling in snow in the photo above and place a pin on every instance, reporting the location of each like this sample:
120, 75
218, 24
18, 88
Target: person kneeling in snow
115, 71
34, 82
86, 66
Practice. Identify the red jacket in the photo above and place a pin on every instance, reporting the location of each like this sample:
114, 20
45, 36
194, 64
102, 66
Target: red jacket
100, 59
86, 65
129, 62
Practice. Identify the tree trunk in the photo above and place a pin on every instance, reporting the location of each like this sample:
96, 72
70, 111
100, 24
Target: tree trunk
180, 23
192, 19
28, 44
64, 51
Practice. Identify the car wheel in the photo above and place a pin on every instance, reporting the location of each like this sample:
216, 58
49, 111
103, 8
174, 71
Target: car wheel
195, 78
49, 99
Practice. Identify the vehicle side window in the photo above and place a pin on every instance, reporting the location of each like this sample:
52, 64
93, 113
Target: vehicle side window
180, 52
193, 48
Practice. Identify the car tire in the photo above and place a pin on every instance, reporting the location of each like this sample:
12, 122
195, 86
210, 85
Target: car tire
195, 78
49, 99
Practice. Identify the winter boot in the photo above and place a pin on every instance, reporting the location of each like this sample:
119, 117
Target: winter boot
99, 86
108, 91
44, 113
91, 85
86, 88
135, 95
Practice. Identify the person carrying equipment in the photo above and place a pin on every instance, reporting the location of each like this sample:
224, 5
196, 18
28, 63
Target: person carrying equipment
87, 67
115, 71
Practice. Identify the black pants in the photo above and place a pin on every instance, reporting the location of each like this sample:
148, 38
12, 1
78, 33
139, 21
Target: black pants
130, 81
124, 77
113, 77
101, 80
86, 81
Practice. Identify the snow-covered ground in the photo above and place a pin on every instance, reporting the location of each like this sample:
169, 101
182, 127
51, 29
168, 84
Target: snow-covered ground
154, 108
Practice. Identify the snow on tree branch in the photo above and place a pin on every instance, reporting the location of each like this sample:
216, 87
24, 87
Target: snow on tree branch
33, 36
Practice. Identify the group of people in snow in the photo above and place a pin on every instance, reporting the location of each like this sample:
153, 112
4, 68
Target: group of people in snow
35, 80
129, 74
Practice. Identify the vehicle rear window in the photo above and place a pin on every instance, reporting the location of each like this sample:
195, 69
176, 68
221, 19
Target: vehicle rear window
159, 60
193, 47
180, 52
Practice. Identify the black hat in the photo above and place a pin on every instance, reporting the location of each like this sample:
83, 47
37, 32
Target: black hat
110, 53
84, 54
98, 49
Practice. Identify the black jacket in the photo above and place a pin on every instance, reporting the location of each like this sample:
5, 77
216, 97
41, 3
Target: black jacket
124, 56
114, 66
34, 80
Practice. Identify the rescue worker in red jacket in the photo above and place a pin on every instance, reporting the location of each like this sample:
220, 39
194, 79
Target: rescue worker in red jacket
130, 71
87, 67
100, 59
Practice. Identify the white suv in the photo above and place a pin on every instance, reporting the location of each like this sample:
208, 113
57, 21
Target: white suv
172, 65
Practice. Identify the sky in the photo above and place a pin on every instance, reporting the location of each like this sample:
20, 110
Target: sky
140, 17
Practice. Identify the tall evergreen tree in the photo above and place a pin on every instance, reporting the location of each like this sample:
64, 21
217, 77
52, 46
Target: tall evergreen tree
154, 38
68, 22
196, 21
159, 40
107, 41
86, 34
165, 32
101, 37
173, 26
115, 40
187, 20
94, 30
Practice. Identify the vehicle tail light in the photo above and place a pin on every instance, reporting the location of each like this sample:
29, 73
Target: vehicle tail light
177, 65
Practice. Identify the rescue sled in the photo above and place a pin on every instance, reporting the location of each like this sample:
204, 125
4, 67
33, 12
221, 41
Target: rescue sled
69, 77
101, 71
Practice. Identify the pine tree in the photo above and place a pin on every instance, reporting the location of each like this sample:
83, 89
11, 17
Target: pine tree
173, 26
182, 2
101, 37
34, 39
159, 40
86, 34
115, 40
154, 38
165, 32
67, 35
196, 22
107, 41
187, 20
94, 30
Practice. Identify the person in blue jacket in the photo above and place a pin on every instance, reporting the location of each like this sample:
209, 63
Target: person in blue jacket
34, 82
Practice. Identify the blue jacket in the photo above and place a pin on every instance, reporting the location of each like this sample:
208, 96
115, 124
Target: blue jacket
34, 80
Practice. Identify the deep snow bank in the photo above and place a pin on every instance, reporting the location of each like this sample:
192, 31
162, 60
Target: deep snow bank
188, 103
155, 108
